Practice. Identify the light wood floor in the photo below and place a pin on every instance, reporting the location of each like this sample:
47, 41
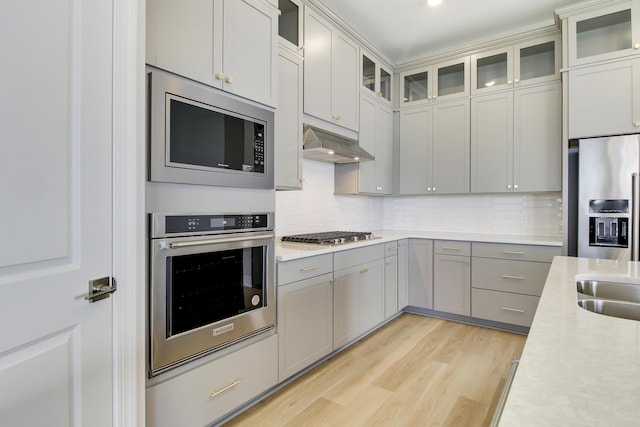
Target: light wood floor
414, 371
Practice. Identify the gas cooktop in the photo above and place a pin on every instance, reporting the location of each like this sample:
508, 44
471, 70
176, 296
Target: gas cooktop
329, 237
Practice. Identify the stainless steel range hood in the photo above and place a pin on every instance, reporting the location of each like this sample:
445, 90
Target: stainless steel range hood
325, 146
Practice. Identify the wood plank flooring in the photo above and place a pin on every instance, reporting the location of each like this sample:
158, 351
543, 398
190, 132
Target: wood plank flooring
414, 371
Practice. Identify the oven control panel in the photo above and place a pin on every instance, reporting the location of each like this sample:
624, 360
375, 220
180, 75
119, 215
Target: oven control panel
181, 224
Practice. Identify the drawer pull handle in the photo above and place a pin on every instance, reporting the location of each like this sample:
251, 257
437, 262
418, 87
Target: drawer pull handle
516, 310
222, 390
364, 270
507, 276
392, 249
451, 248
313, 267
513, 252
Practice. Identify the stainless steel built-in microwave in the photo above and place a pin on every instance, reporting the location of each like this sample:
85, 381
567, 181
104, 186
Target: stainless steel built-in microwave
200, 135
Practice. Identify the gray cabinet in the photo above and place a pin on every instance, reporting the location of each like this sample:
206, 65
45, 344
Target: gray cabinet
507, 281
434, 148
288, 130
525, 63
420, 262
376, 137
359, 292
452, 277
206, 393
205, 40
331, 76
376, 78
600, 31
305, 312
391, 280
403, 273
439, 82
604, 99
516, 140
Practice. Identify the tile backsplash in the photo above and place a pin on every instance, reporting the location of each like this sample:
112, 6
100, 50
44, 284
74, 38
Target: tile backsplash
316, 208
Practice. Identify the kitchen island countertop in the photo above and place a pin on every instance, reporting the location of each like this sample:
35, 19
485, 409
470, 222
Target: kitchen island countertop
577, 368
286, 251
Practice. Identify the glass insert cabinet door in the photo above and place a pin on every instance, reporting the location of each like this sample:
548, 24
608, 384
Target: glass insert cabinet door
438, 82
290, 22
607, 33
375, 78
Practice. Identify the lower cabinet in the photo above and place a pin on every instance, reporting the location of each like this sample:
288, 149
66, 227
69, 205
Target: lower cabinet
305, 323
305, 312
391, 280
507, 281
420, 259
452, 277
358, 292
204, 394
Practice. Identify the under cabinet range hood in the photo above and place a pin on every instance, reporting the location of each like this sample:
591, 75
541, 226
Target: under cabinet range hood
325, 146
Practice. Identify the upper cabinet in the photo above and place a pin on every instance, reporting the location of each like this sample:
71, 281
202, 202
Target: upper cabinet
207, 41
598, 31
526, 63
290, 24
331, 77
376, 78
441, 82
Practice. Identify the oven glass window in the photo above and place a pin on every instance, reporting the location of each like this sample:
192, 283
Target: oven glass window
208, 287
208, 138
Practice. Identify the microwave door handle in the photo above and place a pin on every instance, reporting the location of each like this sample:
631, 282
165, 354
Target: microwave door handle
192, 243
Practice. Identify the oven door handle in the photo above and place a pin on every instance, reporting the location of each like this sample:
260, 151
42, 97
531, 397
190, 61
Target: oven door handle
192, 243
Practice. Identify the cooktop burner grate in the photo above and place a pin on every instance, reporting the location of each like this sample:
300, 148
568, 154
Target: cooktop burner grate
329, 237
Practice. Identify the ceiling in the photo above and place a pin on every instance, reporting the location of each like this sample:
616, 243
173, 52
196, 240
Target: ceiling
404, 30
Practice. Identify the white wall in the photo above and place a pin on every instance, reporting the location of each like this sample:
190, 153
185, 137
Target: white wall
316, 209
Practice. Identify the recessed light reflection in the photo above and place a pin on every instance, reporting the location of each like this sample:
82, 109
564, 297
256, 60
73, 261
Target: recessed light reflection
434, 2
330, 152
491, 83
356, 158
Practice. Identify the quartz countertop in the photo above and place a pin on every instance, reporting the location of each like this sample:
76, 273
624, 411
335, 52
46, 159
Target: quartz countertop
286, 251
577, 368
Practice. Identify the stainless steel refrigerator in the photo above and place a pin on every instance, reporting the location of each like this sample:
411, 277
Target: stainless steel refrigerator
608, 197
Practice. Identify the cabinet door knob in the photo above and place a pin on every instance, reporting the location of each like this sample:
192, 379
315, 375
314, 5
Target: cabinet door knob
636, 46
517, 80
636, 124
510, 82
434, 188
515, 186
228, 79
509, 186
301, 47
220, 76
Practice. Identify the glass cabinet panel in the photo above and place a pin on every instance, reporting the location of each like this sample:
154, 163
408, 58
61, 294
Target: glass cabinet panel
368, 73
385, 84
492, 71
538, 61
288, 22
604, 34
416, 86
451, 79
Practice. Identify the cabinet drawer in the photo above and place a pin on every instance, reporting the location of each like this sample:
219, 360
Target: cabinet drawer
521, 277
517, 252
452, 247
186, 399
503, 307
351, 257
391, 248
304, 268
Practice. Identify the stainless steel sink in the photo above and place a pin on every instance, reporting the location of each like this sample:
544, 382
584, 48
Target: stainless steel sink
622, 309
619, 291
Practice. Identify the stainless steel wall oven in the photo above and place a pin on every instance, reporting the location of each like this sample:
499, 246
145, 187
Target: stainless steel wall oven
212, 283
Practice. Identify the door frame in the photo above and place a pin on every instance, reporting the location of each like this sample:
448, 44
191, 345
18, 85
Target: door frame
128, 212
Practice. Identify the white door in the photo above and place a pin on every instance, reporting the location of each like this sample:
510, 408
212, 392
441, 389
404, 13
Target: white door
56, 362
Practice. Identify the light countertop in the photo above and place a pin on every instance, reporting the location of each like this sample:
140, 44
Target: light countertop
286, 251
578, 368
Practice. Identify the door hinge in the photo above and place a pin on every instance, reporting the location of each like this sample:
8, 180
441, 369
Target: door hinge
100, 289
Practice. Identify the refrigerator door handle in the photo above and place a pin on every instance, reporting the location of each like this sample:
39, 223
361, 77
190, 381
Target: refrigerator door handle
635, 229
